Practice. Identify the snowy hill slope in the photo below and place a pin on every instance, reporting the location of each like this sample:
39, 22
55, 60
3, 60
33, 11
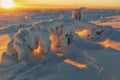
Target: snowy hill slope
80, 51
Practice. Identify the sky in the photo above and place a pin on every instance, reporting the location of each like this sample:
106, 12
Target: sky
69, 3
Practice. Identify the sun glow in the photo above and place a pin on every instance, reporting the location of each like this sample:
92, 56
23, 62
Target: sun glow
38, 53
76, 64
110, 43
7, 4
4, 39
84, 33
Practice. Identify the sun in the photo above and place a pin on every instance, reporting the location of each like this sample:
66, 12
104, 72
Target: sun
7, 4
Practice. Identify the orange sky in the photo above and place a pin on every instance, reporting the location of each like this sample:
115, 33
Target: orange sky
68, 3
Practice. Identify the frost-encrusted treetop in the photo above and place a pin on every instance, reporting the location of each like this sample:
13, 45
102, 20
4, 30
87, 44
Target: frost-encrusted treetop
77, 13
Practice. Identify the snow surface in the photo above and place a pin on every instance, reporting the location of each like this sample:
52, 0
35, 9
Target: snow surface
52, 46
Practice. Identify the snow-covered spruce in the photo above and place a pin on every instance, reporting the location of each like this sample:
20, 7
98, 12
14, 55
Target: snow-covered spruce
25, 41
77, 14
61, 31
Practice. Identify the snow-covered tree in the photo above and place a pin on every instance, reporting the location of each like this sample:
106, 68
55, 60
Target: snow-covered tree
77, 13
56, 37
25, 41
61, 17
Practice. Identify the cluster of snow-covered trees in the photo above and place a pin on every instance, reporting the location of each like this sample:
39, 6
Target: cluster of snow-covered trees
46, 38
52, 35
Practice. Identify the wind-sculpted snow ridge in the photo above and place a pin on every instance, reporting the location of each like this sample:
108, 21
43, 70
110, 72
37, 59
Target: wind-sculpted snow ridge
12, 29
53, 35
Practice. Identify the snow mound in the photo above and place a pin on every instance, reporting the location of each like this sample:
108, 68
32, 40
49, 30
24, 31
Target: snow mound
94, 34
